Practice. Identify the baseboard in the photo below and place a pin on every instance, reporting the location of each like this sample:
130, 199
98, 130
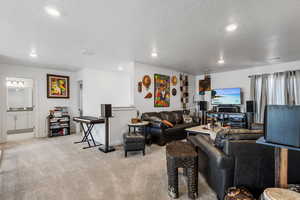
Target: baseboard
19, 131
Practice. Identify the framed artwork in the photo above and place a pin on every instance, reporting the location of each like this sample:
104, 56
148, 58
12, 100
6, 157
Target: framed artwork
161, 90
58, 86
204, 85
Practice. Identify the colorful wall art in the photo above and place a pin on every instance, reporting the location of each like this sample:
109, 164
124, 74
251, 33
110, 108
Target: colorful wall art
161, 90
58, 86
204, 85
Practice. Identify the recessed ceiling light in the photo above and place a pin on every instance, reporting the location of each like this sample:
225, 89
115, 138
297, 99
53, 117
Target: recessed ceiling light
221, 61
231, 27
52, 11
120, 68
154, 54
33, 54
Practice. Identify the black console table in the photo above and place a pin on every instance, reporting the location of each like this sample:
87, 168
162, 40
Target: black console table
281, 161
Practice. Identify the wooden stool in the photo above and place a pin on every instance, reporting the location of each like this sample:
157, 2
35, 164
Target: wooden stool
279, 194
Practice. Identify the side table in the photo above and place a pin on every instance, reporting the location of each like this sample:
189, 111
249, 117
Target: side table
182, 155
141, 125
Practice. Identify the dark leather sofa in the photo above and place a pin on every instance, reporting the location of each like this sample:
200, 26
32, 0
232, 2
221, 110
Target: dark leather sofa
162, 134
240, 162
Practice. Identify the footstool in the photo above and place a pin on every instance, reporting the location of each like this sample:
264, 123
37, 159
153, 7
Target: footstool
133, 142
182, 155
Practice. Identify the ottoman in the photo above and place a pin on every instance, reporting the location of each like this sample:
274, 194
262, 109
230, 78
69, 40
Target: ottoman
133, 142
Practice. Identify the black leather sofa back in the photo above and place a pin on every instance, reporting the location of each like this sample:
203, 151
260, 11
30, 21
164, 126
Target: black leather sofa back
160, 133
240, 163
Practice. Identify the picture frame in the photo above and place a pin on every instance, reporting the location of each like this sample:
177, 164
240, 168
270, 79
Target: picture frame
58, 86
161, 90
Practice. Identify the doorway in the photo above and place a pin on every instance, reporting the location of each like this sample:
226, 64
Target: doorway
19, 108
80, 98
80, 103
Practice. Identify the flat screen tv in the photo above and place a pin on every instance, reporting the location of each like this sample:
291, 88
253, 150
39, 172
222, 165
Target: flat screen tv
226, 96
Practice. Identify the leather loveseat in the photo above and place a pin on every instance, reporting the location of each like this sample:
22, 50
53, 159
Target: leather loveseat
162, 134
239, 161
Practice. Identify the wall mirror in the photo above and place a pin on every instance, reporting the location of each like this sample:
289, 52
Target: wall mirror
19, 94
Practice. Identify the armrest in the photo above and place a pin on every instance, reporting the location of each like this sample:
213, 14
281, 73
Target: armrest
214, 154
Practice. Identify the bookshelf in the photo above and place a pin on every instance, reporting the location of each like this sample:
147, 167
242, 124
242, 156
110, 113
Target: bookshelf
58, 126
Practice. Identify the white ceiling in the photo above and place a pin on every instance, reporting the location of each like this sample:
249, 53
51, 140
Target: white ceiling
189, 35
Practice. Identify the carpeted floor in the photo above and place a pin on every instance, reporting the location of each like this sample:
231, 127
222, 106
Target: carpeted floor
55, 168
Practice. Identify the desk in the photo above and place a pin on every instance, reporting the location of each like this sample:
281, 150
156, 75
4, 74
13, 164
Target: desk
281, 161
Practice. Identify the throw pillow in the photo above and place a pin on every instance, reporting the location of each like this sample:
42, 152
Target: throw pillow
167, 123
187, 119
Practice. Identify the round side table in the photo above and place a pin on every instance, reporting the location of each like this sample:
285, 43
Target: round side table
141, 125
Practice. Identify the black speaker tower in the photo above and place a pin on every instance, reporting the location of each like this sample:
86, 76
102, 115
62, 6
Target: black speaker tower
203, 108
250, 109
106, 113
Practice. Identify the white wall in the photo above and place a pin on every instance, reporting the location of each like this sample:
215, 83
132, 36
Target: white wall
147, 105
239, 78
105, 87
120, 90
108, 87
42, 103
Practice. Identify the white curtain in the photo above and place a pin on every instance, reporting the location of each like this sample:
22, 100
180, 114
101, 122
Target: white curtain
280, 88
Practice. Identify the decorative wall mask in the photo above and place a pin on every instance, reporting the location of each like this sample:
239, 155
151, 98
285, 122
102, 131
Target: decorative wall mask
184, 88
146, 81
174, 91
148, 96
174, 80
140, 87
204, 85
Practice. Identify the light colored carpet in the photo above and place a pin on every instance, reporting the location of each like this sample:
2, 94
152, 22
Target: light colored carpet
55, 168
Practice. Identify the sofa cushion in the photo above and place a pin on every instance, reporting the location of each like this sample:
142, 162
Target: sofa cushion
187, 119
146, 116
178, 116
257, 126
169, 116
154, 119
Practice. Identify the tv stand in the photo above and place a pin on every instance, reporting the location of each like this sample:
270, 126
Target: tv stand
228, 108
235, 120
